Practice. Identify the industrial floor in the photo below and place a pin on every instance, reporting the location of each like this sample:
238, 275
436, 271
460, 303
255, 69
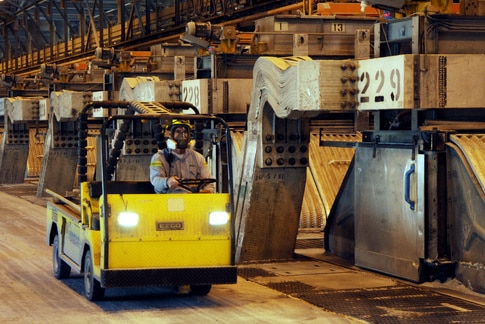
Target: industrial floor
311, 288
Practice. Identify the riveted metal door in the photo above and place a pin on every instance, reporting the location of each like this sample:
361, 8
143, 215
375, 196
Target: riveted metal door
389, 210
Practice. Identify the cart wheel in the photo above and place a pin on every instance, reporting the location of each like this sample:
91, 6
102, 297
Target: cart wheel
61, 269
92, 288
200, 290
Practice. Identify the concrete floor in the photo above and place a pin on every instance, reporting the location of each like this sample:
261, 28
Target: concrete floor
311, 288
30, 294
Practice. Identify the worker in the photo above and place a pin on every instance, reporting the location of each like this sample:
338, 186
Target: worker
177, 161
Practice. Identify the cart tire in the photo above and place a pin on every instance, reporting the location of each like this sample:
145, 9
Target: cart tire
61, 269
200, 290
92, 288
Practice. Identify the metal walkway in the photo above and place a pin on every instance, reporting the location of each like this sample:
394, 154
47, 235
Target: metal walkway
342, 288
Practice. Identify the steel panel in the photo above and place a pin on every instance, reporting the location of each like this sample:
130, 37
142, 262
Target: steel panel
168, 277
466, 208
389, 231
146, 246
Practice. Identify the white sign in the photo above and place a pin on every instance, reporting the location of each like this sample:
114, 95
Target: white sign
382, 84
196, 93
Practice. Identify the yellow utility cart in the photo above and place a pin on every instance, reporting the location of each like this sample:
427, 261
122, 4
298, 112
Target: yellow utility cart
123, 234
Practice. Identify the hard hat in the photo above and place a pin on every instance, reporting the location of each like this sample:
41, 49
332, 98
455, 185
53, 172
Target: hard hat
177, 123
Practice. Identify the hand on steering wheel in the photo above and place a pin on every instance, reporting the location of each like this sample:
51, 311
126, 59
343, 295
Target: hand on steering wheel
172, 182
195, 185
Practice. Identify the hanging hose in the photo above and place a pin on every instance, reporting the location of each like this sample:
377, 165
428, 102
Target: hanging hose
118, 144
82, 162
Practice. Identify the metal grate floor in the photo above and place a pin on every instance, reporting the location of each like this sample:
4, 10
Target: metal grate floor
399, 303
309, 243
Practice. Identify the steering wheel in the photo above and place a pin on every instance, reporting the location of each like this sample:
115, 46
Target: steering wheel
195, 185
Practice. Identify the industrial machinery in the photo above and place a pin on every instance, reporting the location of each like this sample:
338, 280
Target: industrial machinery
398, 83
415, 182
120, 233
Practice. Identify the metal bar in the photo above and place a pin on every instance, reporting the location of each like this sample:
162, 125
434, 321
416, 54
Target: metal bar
130, 22
48, 17
121, 18
92, 26
17, 36
37, 28
82, 24
101, 24
64, 200
339, 144
140, 21
63, 14
147, 17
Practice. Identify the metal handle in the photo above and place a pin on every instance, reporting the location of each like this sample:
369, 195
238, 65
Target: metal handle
407, 187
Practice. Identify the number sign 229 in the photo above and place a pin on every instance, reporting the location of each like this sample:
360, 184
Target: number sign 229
381, 86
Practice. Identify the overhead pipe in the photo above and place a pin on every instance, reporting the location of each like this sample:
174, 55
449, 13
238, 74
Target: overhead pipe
297, 6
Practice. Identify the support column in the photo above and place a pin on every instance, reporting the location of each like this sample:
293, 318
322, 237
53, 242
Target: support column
14, 152
59, 165
58, 171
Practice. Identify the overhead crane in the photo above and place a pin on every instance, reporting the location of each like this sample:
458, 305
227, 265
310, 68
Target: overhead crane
413, 125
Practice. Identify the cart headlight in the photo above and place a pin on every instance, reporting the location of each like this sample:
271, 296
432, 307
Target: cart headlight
128, 219
218, 218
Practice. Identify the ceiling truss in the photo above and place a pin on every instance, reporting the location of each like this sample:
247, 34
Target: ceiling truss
49, 31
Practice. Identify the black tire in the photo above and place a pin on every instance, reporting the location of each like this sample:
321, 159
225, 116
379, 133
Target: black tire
61, 269
92, 288
200, 290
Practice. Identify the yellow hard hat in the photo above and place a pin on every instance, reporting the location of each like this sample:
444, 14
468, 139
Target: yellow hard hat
177, 123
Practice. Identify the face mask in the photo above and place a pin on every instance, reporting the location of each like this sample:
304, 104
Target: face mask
171, 144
